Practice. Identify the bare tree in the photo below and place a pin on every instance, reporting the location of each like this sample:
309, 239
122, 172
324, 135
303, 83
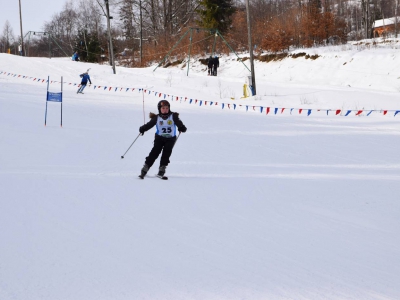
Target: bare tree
8, 37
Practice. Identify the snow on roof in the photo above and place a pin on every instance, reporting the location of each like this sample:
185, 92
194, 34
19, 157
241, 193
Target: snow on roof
384, 22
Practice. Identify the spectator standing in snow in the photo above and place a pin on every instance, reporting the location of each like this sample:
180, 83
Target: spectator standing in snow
165, 137
75, 56
210, 65
85, 78
215, 65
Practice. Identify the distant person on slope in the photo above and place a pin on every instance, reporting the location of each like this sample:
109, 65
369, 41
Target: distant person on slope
210, 65
165, 137
75, 56
215, 65
85, 78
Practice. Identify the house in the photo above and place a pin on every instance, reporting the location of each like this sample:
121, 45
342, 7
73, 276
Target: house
384, 26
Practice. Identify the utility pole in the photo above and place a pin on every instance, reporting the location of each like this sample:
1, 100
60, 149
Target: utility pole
141, 33
22, 36
112, 62
253, 79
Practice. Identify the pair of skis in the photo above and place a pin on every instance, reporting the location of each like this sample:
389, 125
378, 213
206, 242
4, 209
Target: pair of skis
158, 176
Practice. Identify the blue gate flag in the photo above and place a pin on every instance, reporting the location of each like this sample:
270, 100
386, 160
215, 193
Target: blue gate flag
56, 97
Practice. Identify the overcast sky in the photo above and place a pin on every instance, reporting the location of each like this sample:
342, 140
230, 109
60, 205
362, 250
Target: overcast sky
34, 14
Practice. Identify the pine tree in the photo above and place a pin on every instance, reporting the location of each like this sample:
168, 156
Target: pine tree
216, 14
127, 17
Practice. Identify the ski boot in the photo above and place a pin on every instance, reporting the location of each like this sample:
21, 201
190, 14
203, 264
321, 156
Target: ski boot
144, 170
161, 172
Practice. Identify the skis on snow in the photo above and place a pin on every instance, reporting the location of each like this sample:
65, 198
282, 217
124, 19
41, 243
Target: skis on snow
161, 177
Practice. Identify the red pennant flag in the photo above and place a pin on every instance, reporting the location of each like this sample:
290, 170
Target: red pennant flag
110, 88
216, 103
34, 79
338, 111
159, 95
195, 101
145, 91
205, 102
185, 98
254, 108
176, 98
282, 110
359, 113
385, 112
300, 110
229, 106
267, 110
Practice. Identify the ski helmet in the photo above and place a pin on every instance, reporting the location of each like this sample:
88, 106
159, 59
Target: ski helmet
163, 103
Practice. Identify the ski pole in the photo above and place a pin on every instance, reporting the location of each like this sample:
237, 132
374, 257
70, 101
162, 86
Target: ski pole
176, 139
130, 145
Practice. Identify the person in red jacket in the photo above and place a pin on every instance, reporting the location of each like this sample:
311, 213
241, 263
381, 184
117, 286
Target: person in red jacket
166, 122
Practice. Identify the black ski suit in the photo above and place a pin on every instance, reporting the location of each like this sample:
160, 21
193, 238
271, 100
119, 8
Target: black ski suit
210, 65
161, 143
215, 65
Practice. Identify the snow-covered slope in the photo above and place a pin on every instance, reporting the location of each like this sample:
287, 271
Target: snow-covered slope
258, 206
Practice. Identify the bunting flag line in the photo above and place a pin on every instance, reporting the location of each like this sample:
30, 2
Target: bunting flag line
357, 112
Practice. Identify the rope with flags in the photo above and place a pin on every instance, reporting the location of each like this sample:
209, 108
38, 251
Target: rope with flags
268, 110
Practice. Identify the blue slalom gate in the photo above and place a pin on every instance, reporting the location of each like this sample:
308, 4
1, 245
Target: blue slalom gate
53, 97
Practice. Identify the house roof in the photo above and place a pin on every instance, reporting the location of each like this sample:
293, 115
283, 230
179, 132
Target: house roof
384, 22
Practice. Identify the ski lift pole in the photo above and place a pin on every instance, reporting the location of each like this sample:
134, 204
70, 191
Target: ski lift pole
215, 41
190, 48
176, 44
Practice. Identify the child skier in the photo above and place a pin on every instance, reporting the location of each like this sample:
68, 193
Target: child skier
85, 78
165, 137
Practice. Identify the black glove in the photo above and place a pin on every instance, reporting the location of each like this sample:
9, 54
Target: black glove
182, 129
141, 130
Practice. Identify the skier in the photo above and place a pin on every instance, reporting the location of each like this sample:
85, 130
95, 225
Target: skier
165, 137
85, 78
215, 65
210, 65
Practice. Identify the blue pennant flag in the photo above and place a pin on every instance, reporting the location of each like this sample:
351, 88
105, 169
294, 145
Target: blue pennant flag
369, 113
223, 105
234, 106
247, 107
348, 112
309, 112
201, 102
276, 110
190, 102
397, 111
261, 109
